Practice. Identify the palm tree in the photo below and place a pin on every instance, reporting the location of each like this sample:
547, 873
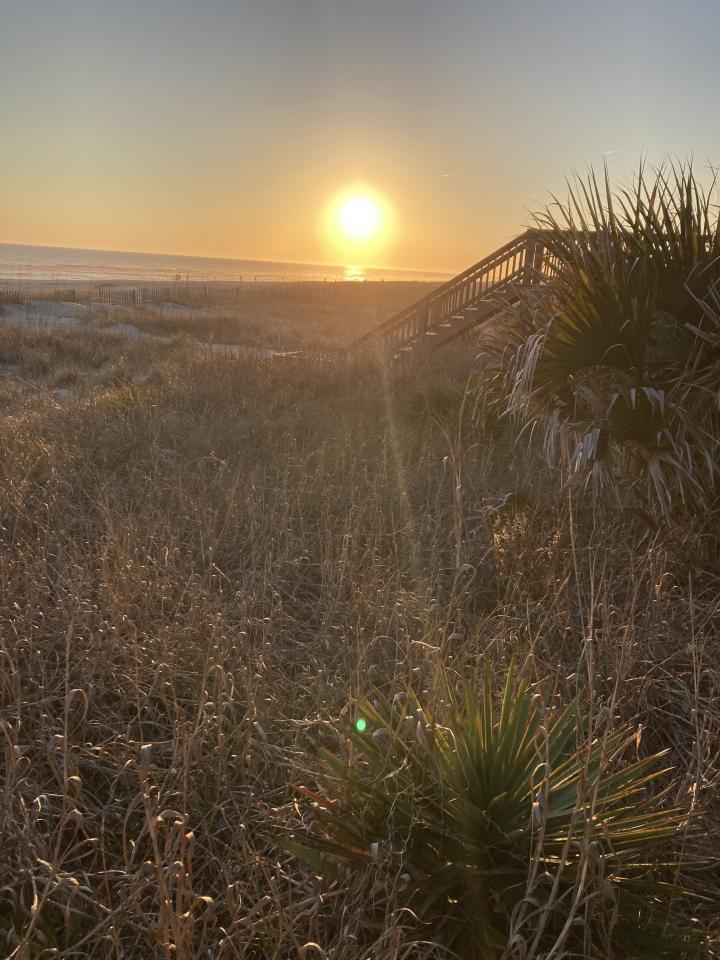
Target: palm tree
619, 357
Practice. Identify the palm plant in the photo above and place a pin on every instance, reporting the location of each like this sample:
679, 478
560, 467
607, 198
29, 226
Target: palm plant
619, 357
503, 827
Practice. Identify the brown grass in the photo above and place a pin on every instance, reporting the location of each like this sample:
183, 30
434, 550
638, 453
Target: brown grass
201, 567
282, 316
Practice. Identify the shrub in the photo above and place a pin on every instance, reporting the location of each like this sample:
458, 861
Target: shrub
618, 358
504, 827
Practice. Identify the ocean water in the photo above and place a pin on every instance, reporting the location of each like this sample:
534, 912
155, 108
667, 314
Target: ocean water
21, 264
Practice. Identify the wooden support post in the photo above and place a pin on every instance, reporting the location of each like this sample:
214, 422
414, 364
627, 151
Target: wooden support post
534, 251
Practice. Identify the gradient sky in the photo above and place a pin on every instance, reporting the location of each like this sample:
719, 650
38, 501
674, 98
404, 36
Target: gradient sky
224, 127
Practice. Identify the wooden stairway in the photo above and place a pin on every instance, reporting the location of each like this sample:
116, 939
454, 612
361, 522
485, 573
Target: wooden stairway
468, 300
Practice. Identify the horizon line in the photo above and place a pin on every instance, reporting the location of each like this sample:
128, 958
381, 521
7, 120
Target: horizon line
195, 256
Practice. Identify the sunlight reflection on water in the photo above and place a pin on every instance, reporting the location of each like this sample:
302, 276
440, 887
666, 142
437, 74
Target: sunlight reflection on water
58, 266
354, 273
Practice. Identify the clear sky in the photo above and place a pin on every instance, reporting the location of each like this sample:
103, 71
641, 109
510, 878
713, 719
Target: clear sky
226, 127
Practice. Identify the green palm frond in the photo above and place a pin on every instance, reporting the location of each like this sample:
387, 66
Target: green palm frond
505, 820
632, 313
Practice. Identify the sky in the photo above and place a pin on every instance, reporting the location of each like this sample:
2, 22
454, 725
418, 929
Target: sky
228, 127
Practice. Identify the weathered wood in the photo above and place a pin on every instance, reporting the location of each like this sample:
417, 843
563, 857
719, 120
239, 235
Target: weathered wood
153, 293
434, 318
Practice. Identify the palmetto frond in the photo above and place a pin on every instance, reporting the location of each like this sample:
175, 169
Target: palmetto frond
622, 354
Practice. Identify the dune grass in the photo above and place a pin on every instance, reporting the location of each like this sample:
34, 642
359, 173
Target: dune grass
201, 570
281, 316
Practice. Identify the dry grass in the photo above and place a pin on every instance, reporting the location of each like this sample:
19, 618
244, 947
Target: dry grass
282, 316
38, 361
200, 569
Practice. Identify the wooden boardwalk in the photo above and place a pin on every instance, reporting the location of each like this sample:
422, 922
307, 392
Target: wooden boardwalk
463, 303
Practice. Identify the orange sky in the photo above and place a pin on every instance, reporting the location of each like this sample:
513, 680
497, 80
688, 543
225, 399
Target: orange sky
225, 128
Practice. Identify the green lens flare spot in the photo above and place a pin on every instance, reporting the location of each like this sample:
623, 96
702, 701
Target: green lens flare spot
360, 724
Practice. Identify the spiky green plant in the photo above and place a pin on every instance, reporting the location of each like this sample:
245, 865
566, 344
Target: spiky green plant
619, 357
502, 826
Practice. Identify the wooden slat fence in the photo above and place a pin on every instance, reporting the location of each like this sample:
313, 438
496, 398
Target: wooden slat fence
128, 296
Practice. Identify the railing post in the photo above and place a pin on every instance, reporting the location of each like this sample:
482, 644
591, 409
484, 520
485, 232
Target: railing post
534, 249
422, 326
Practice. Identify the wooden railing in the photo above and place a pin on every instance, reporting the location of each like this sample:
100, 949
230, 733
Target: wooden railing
523, 261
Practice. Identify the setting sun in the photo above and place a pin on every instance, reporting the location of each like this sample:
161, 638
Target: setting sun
359, 222
359, 216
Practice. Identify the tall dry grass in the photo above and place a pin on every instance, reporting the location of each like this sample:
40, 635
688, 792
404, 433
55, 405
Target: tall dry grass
283, 316
200, 570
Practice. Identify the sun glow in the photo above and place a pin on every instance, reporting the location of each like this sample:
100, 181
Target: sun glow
359, 216
359, 220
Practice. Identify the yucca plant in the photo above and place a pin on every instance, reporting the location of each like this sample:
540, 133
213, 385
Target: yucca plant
500, 827
619, 357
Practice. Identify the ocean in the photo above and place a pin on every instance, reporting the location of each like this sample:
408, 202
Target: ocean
34, 265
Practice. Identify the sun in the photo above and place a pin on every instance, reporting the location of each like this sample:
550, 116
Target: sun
359, 216
358, 220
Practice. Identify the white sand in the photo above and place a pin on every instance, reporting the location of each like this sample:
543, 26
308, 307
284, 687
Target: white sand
51, 314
